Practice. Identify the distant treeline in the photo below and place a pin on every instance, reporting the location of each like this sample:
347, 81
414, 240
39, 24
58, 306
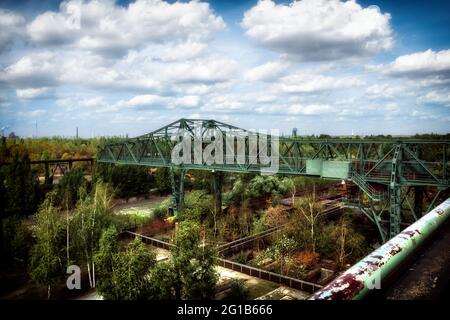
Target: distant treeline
67, 148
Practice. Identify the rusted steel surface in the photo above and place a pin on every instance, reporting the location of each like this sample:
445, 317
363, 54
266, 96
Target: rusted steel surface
357, 281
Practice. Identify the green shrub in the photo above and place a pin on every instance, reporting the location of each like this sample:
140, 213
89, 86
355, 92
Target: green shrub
238, 290
197, 206
69, 188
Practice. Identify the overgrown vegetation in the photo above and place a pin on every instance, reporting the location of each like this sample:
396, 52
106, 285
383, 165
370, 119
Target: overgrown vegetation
74, 223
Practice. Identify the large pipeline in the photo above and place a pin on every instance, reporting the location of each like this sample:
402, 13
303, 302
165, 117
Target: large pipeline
369, 273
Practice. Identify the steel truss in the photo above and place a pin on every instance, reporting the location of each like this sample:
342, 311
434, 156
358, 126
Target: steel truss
396, 177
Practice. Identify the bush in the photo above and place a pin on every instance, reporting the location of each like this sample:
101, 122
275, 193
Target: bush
275, 216
307, 259
160, 211
69, 188
259, 225
162, 180
197, 206
127, 180
242, 258
238, 290
123, 275
259, 187
18, 239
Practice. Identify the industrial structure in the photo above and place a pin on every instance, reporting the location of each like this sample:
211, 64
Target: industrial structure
398, 179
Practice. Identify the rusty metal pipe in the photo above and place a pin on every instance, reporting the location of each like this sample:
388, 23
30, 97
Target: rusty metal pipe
360, 279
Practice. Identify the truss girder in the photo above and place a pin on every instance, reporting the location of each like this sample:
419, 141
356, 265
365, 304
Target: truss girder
371, 158
383, 167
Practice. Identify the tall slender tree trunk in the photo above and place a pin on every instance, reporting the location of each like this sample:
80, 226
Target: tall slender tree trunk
293, 196
93, 273
67, 236
89, 274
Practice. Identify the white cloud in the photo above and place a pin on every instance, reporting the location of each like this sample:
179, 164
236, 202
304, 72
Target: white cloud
91, 104
308, 83
144, 100
297, 109
436, 97
110, 29
94, 102
151, 100
31, 93
33, 70
313, 109
266, 72
208, 70
187, 102
11, 25
419, 64
386, 90
424, 115
32, 114
183, 51
57, 27
317, 30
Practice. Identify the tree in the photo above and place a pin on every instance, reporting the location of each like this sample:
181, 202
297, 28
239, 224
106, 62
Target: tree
47, 255
20, 184
347, 243
93, 214
191, 272
18, 236
123, 275
162, 180
311, 211
69, 186
275, 217
197, 206
164, 282
283, 249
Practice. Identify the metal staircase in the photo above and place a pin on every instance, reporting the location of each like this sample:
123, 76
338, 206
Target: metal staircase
371, 192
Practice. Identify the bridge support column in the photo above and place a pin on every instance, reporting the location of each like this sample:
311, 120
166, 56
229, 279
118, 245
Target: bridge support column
48, 178
177, 190
395, 193
217, 191
395, 211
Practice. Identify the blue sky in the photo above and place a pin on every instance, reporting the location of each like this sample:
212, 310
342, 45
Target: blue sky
129, 67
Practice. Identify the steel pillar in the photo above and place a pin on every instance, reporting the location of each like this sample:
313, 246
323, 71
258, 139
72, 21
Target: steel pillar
177, 182
217, 181
395, 194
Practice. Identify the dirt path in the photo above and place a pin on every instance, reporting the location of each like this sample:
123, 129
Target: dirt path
151, 201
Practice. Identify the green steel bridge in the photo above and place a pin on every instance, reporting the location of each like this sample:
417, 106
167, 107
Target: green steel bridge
398, 179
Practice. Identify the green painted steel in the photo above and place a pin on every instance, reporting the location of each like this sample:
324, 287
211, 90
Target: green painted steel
314, 166
384, 169
336, 169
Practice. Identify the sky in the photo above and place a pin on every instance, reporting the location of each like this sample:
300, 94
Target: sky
130, 67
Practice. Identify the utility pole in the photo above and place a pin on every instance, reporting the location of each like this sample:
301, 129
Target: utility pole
77, 133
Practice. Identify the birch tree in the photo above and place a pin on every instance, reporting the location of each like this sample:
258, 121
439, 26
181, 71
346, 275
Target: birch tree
311, 211
93, 215
47, 255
